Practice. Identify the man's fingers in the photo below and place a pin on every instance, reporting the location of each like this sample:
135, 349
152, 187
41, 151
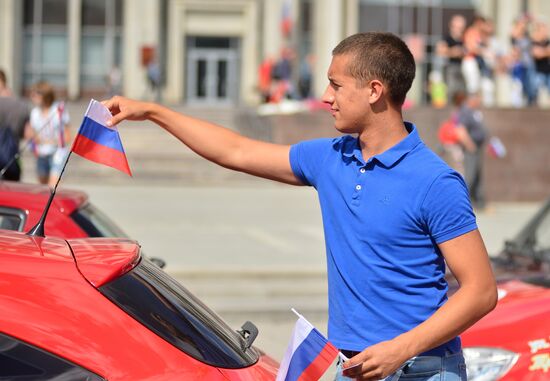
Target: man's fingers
110, 103
116, 119
350, 369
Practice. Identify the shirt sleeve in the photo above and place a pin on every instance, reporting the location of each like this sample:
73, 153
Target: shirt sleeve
307, 159
446, 209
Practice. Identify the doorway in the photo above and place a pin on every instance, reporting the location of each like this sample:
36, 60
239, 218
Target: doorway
212, 71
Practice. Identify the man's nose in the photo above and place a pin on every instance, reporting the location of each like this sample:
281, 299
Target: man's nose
328, 95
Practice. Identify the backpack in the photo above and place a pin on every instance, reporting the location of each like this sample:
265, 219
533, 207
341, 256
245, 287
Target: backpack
9, 147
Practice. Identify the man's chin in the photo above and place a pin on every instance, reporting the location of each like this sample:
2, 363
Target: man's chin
344, 129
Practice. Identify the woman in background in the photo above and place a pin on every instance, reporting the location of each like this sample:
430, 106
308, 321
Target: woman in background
48, 128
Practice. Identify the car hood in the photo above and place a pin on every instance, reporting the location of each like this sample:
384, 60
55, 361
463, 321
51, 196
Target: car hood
520, 317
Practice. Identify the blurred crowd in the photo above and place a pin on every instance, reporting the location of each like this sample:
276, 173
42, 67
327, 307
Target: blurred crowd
278, 78
470, 57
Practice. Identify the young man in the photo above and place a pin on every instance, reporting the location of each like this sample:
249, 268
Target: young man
393, 213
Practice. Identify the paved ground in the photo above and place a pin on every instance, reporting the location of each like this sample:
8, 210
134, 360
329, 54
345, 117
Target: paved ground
251, 249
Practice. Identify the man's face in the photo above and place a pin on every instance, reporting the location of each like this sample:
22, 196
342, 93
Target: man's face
349, 103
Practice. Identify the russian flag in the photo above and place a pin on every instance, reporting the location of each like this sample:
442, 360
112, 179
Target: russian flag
97, 142
308, 355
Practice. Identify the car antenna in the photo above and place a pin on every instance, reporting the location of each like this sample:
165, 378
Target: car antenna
38, 229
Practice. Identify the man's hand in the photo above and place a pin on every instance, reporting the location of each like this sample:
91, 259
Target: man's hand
377, 362
124, 108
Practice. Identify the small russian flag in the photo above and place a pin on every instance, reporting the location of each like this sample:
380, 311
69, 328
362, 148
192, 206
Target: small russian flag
308, 354
99, 143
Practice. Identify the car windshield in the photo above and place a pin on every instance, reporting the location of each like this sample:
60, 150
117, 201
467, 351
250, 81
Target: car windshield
95, 223
167, 308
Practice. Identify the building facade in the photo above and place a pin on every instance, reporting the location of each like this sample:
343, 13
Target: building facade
207, 52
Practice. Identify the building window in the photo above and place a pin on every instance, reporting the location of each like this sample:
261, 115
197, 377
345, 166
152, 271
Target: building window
100, 51
45, 41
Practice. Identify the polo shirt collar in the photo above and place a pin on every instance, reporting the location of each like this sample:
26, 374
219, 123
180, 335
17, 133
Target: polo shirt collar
389, 157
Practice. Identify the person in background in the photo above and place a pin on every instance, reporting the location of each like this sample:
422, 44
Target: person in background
541, 55
14, 115
264, 79
451, 49
5, 91
114, 81
522, 48
305, 77
453, 136
48, 127
470, 118
394, 215
473, 64
281, 75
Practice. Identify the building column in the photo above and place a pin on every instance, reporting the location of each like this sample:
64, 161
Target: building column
351, 25
11, 37
328, 31
272, 39
138, 32
249, 94
74, 42
173, 91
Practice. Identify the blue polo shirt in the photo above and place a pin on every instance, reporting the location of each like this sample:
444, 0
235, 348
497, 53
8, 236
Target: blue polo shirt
383, 219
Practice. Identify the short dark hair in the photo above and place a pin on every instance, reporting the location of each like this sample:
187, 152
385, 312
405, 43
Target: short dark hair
382, 56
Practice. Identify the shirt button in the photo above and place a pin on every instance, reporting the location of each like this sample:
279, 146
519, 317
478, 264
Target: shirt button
358, 187
362, 170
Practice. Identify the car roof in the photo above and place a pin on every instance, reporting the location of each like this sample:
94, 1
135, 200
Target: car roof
99, 260
38, 249
33, 197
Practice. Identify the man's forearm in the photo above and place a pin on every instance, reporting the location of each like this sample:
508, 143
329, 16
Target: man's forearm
463, 309
215, 143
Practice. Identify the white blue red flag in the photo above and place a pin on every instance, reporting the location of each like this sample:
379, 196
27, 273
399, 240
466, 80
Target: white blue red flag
308, 355
99, 143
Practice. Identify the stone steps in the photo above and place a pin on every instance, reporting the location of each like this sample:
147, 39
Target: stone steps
273, 292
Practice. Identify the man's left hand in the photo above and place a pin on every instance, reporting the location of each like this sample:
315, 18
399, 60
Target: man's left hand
377, 362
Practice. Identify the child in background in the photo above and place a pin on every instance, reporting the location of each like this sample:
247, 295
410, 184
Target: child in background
48, 127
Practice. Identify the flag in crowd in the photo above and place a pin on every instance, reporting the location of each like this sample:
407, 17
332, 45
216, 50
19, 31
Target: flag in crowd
308, 355
99, 143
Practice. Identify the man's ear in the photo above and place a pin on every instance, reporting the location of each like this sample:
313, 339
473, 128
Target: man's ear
376, 90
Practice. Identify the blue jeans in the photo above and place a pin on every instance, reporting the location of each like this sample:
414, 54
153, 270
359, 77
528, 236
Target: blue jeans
425, 368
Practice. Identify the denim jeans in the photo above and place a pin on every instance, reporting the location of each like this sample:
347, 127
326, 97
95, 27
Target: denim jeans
425, 368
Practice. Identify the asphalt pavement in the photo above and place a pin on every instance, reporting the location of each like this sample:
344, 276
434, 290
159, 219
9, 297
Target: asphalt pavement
250, 248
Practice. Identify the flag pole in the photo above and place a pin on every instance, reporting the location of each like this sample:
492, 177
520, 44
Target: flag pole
340, 354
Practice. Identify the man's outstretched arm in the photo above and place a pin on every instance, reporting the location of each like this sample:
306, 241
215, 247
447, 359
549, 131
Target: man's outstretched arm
217, 144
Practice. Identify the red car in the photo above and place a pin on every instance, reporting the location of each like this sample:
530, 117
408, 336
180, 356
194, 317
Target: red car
71, 215
513, 341
94, 309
